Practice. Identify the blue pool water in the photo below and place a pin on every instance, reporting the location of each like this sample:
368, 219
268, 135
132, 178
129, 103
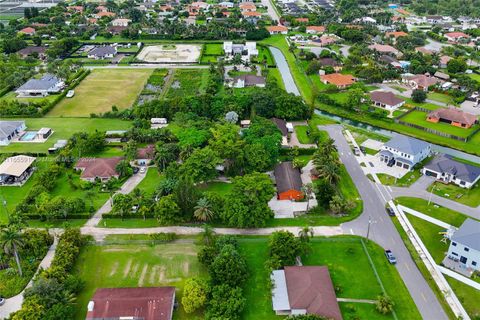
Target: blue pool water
28, 136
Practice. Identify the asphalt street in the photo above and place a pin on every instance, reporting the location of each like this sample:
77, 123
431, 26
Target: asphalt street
382, 230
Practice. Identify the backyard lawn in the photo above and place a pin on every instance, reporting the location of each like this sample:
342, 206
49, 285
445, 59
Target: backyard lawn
135, 265
151, 181
440, 97
63, 128
213, 49
302, 135
188, 82
467, 295
469, 197
102, 89
221, 188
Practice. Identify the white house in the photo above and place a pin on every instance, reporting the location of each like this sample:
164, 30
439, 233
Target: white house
42, 87
386, 100
121, 22
447, 170
104, 52
246, 50
404, 152
465, 245
9, 130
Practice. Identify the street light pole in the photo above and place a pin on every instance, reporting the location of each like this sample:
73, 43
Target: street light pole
431, 193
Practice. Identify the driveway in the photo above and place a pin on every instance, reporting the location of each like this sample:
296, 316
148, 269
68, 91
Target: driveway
382, 230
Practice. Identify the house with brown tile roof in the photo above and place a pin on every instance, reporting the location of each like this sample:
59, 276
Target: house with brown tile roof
340, 80
386, 100
315, 29
396, 34
456, 36
277, 29
453, 116
420, 81
150, 303
98, 168
384, 48
29, 31
304, 290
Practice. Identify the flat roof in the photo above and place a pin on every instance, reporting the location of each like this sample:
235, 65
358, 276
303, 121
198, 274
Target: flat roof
16, 166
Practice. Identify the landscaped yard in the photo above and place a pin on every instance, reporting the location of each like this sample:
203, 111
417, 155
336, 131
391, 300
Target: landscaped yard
63, 128
221, 188
440, 97
302, 134
187, 82
102, 89
407, 180
151, 181
467, 295
469, 197
135, 265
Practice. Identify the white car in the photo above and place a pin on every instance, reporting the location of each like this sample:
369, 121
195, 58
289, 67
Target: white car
143, 170
70, 93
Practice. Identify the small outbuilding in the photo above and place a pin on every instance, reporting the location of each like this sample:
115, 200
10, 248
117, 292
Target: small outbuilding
16, 170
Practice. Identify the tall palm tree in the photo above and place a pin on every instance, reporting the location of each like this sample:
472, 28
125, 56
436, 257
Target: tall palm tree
305, 233
11, 241
328, 146
329, 171
308, 192
203, 210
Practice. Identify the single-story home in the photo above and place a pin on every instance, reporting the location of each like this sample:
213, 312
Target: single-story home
9, 130
442, 76
304, 290
419, 81
248, 80
404, 152
465, 245
146, 303
98, 168
121, 22
445, 169
32, 50
453, 116
103, 52
277, 29
386, 100
315, 29
42, 87
456, 36
16, 170
340, 80
288, 181
395, 34
282, 126
29, 31
145, 155
384, 48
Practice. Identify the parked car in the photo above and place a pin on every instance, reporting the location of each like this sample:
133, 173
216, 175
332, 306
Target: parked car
135, 169
356, 151
143, 170
390, 257
70, 93
390, 211
2, 301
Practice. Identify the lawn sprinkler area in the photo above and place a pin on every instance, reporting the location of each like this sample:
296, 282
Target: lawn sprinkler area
180, 53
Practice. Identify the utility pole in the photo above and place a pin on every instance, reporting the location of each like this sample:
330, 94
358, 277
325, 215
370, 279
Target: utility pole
370, 222
431, 193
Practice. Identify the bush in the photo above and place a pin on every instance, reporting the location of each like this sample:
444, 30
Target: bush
419, 96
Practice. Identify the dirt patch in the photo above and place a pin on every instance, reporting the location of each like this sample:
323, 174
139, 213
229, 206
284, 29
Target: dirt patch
180, 53
142, 276
114, 269
126, 271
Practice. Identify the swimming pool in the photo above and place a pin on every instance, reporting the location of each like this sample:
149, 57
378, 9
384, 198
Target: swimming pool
28, 136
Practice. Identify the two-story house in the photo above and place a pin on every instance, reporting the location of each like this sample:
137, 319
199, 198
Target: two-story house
404, 151
465, 245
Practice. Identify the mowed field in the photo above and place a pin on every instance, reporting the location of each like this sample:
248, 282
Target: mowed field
102, 89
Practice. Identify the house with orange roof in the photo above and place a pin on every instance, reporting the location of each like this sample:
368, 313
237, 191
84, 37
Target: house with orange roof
29, 31
75, 8
453, 116
315, 29
341, 81
277, 29
247, 6
102, 14
302, 20
396, 34
384, 49
403, 12
456, 36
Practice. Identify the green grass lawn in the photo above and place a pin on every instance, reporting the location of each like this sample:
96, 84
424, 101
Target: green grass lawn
13, 96
475, 76
189, 81
102, 89
431, 237
151, 181
63, 128
440, 97
467, 295
274, 75
407, 180
221, 188
135, 265
469, 197
213, 49
302, 135
419, 118
426, 105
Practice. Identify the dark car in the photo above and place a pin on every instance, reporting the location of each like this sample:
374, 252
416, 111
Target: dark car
2, 301
390, 211
135, 170
390, 257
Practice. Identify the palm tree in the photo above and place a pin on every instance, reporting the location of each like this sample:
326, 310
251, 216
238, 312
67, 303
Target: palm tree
305, 233
203, 210
328, 146
208, 235
11, 240
308, 192
329, 172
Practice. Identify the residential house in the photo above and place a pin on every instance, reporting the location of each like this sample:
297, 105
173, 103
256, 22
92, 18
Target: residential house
120, 22
249, 49
419, 81
103, 52
441, 76
247, 7
102, 169
325, 40
32, 51
78, 9
248, 80
304, 290
453, 116
226, 4
16, 170
145, 155
386, 59
29, 31
386, 100
424, 50
456, 36
315, 29
279, 29
48, 84
330, 62
396, 34
384, 49
9, 130
433, 19
288, 181
340, 80
465, 245
444, 61
404, 151
282, 126
447, 170
102, 14
301, 20
146, 303
251, 16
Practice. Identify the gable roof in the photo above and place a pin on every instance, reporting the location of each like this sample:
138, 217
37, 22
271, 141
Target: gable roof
396, 34
98, 167
316, 28
468, 234
311, 288
278, 28
383, 48
146, 153
16, 166
423, 81
463, 171
385, 97
31, 49
338, 79
153, 303
281, 125
455, 115
287, 177
9, 127
406, 144
102, 51
251, 79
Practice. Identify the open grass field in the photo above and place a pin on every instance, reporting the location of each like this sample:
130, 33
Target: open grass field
440, 97
135, 265
467, 295
405, 181
187, 82
63, 128
102, 89
302, 135
469, 197
419, 118
213, 49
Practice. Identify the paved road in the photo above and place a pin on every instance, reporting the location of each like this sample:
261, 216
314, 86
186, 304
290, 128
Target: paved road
271, 10
383, 231
150, 66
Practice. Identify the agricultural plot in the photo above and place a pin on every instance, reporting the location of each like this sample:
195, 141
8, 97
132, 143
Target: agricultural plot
187, 82
101, 90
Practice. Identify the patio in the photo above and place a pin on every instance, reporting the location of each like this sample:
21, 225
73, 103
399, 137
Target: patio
455, 265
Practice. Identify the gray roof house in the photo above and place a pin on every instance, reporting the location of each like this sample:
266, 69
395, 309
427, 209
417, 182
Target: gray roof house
404, 151
103, 52
10, 129
41, 87
445, 169
248, 80
464, 252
